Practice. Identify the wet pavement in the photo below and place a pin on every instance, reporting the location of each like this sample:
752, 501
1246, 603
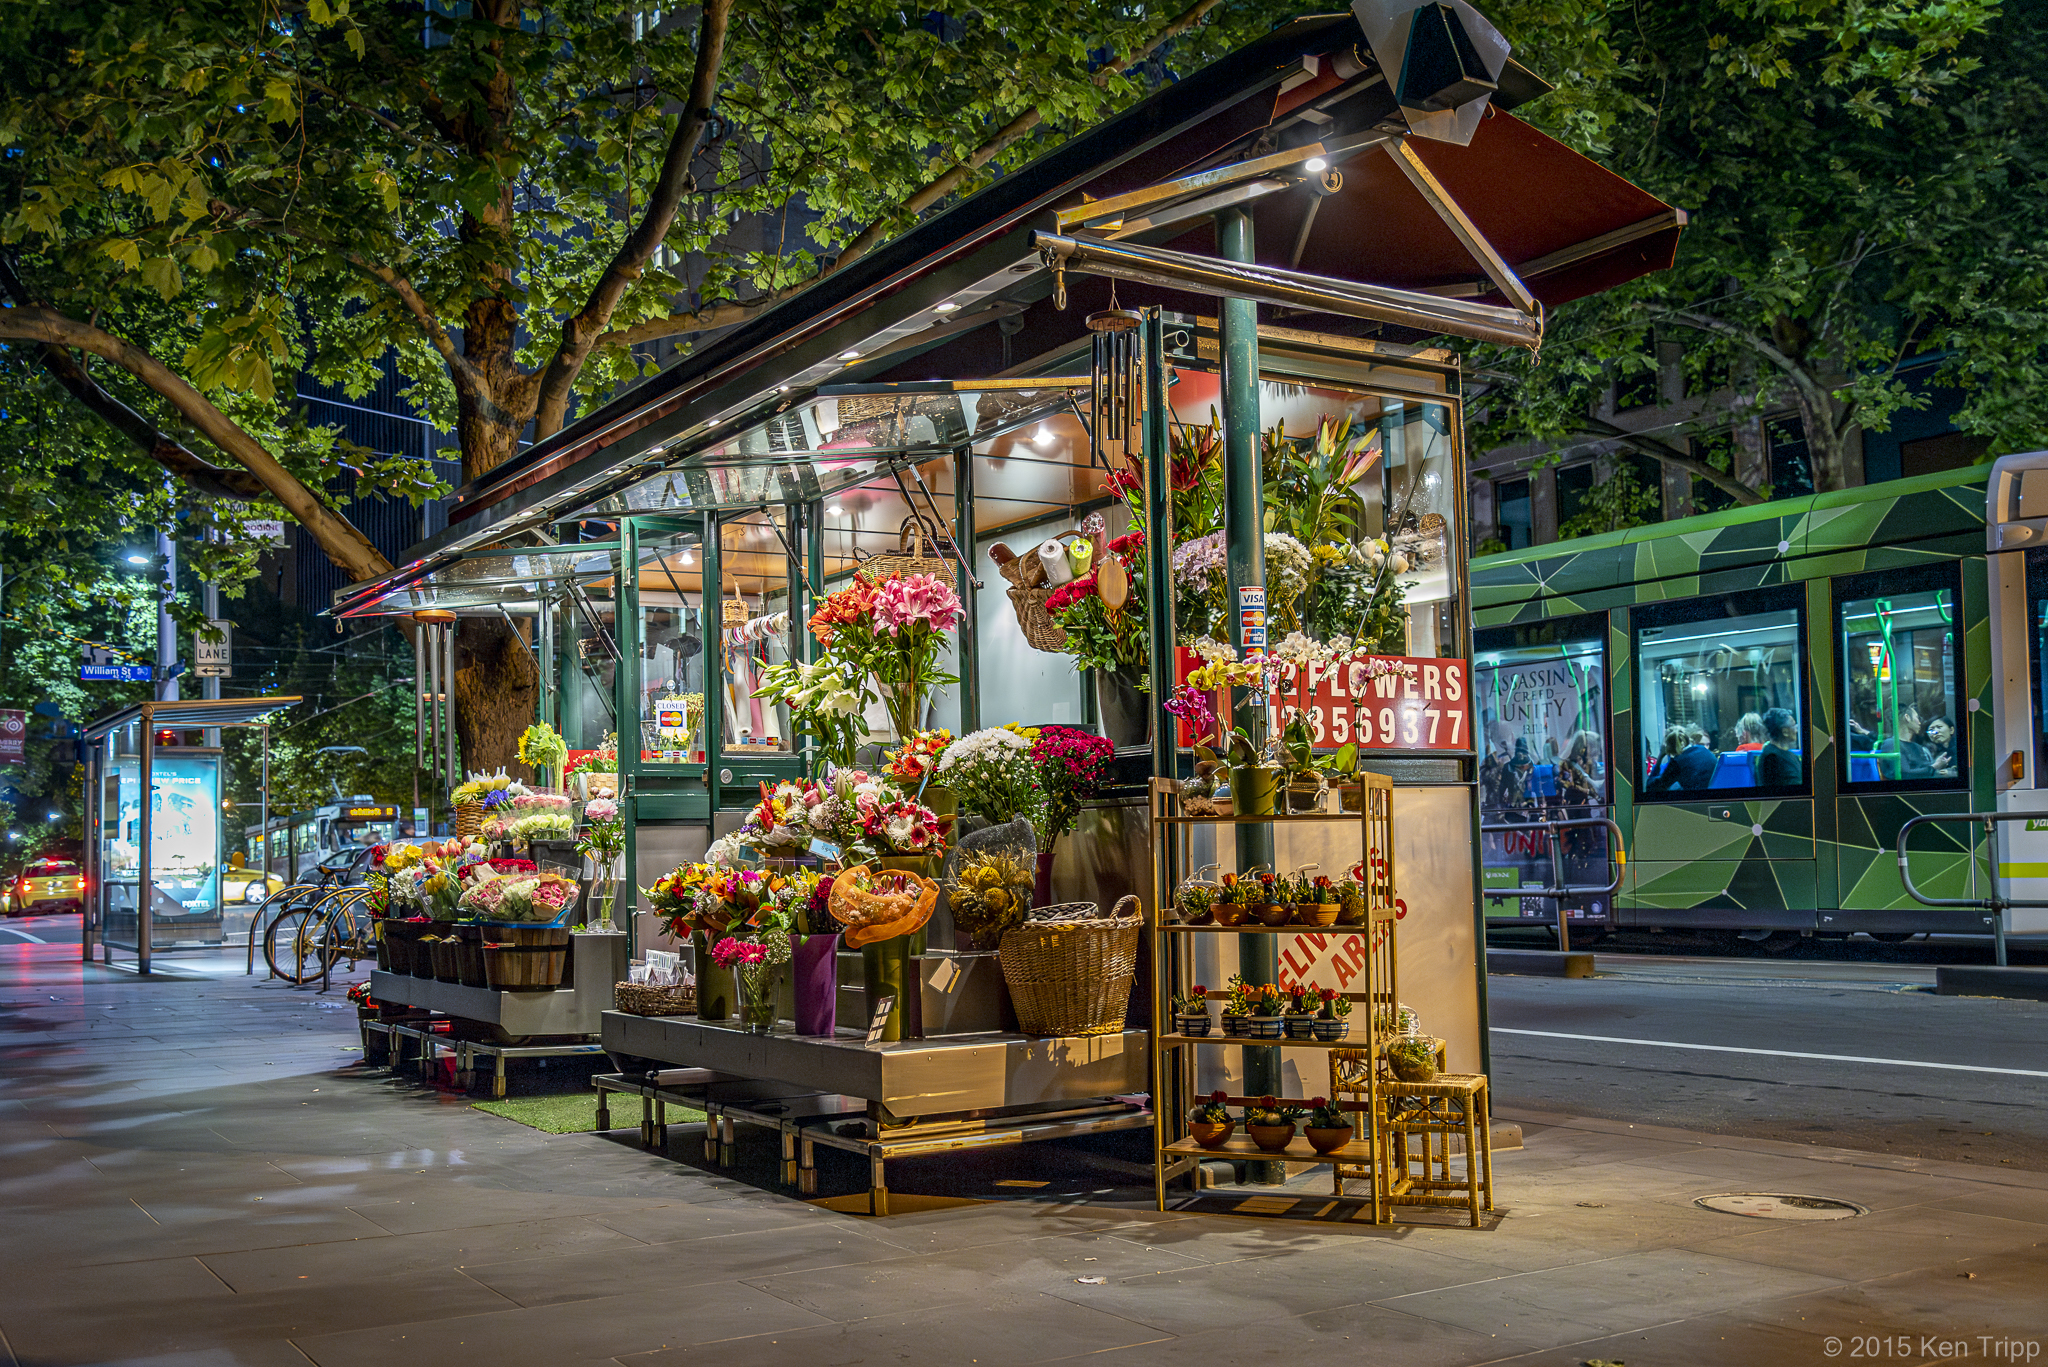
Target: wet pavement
199, 1170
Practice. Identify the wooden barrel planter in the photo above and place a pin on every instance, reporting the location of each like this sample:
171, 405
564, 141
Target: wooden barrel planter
447, 967
469, 956
401, 940
525, 958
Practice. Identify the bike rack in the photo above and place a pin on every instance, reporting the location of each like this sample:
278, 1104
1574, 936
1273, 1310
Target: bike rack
1617, 860
1994, 904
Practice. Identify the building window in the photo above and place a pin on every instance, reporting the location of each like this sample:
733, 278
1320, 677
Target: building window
1901, 690
1791, 462
1722, 697
1513, 512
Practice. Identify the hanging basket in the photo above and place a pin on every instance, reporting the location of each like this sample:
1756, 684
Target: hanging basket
1028, 592
1073, 977
918, 546
735, 607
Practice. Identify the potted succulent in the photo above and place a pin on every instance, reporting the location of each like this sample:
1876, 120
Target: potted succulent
1270, 1123
1234, 903
1341, 768
1198, 795
1210, 1123
1300, 1014
1271, 908
1237, 1008
1328, 1127
1318, 905
1191, 1011
1264, 1019
1330, 1024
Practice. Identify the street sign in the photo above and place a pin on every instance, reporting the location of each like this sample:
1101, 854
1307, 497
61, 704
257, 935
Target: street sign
97, 664
13, 734
265, 529
212, 659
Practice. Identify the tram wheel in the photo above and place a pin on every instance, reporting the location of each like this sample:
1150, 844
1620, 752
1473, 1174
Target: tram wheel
1894, 937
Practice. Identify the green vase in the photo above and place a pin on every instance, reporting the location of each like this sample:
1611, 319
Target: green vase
886, 968
1252, 789
717, 990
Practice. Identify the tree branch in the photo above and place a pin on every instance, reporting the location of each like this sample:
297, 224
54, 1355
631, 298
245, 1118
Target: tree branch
582, 332
952, 179
1667, 454
1817, 395
384, 121
463, 373
207, 478
348, 548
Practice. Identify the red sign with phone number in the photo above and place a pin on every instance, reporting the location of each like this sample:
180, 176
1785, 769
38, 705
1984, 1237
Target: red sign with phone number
1426, 708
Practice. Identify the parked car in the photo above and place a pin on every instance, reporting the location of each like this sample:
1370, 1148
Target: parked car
247, 885
47, 885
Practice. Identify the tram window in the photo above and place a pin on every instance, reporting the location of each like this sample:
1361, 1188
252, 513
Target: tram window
1901, 693
1542, 717
1722, 701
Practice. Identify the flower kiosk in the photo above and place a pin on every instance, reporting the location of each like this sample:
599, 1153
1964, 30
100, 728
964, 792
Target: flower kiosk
971, 698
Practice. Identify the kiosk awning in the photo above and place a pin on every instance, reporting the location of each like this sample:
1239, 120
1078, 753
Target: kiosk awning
191, 714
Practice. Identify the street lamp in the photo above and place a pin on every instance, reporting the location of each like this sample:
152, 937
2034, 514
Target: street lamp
136, 558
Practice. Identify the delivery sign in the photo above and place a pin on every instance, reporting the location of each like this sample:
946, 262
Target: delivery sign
1381, 702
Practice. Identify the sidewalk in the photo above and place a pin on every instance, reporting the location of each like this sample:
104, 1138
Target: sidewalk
200, 1172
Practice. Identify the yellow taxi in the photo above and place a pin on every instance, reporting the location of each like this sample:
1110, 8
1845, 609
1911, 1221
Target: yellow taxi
47, 885
239, 884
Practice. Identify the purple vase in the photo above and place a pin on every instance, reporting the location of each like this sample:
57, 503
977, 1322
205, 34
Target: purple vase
814, 973
1041, 892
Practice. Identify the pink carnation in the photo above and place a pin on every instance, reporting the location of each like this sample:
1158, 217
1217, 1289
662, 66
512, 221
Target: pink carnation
909, 600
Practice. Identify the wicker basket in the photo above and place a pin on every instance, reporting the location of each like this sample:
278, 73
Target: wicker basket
910, 555
1073, 977
638, 999
469, 819
735, 607
1028, 592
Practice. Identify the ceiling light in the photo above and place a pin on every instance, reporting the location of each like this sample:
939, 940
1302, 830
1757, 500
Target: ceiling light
688, 559
1044, 436
948, 307
835, 511
1317, 163
849, 355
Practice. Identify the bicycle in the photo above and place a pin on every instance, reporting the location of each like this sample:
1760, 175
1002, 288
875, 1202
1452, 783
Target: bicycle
304, 942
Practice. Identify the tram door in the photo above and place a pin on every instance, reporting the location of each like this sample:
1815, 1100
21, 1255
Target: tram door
2016, 542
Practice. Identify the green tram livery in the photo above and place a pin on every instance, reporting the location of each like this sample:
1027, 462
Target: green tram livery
1759, 698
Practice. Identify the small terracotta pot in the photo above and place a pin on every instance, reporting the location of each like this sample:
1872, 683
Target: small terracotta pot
1232, 913
1316, 913
1212, 1135
1328, 1140
1273, 913
1271, 1138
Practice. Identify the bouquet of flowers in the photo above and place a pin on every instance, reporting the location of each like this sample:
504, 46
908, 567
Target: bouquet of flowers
825, 699
778, 821
531, 801
603, 760
540, 825
1073, 766
913, 761
542, 747
540, 898
485, 893
990, 893
992, 772
911, 616
901, 826
838, 809
488, 790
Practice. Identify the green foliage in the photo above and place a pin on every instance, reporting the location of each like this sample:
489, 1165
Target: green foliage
1865, 182
1620, 497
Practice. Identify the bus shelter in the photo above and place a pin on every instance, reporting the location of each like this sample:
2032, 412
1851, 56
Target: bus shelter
168, 843
1288, 244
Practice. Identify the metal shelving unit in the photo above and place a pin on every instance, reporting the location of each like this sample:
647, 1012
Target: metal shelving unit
1171, 944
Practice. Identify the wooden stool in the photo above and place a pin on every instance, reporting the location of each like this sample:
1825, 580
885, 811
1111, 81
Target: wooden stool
1352, 1079
1456, 1103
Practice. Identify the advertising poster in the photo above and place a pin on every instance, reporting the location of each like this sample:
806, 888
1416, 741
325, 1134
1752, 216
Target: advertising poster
184, 836
1541, 750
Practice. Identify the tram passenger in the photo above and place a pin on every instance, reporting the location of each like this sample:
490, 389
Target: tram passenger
1941, 746
1777, 764
1915, 760
1687, 762
1749, 732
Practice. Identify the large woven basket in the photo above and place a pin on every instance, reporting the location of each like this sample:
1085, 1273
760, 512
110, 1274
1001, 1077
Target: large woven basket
1028, 592
469, 819
1072, 977
639, 999
918, 546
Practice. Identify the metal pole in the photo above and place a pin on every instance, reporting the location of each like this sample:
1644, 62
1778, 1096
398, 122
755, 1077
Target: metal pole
1158, 551
970, 622
166, 633
452, 761
1245, 555
95, 875
1564, 933
146, 800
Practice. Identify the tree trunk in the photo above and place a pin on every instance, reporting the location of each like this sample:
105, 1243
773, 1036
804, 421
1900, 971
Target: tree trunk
1827, 439
497, 689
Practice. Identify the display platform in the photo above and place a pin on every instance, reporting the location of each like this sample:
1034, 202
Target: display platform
596, 967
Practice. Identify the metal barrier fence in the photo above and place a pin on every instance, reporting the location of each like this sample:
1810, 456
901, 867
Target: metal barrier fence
1617, 860
1987, 822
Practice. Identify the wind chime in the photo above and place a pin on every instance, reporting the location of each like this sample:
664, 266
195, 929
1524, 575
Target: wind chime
1116, 402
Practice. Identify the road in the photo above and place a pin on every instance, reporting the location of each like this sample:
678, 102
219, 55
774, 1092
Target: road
65, 928
1963, 1079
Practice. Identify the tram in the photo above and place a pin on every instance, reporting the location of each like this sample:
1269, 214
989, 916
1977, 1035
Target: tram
1760, 699
293, 846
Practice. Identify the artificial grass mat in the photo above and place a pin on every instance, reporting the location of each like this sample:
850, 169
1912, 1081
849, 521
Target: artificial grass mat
574, 1112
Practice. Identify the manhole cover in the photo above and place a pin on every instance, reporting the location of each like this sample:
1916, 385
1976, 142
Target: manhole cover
1770, 1205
